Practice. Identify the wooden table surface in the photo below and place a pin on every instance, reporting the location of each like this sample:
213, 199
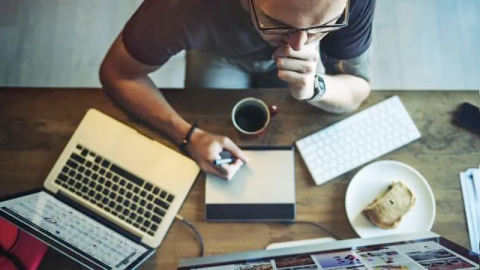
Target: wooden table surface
35, 125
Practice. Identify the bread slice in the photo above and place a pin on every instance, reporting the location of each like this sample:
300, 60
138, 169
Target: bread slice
387, 211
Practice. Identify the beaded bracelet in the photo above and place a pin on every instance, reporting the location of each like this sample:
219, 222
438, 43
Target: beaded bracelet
183, 146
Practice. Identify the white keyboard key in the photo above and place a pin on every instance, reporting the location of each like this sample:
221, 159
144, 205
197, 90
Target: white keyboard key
358, 139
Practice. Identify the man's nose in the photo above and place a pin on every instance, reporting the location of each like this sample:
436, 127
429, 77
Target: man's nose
296, 40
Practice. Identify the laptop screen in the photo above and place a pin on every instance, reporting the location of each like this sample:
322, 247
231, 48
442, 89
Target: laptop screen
431, 253
73, 233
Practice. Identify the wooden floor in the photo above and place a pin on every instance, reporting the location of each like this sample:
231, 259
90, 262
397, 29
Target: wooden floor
418, 45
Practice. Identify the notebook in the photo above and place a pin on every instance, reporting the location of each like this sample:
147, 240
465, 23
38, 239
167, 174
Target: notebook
262, 190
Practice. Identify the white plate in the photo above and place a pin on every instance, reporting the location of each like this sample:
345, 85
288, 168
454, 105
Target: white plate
374, 179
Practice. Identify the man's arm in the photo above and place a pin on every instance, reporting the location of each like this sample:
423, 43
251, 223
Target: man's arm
347, 83
126, 81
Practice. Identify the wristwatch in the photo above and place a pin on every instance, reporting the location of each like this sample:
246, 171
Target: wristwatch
318, 89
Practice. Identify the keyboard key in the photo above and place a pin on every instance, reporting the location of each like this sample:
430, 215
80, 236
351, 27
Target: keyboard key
140, 220
81, 169
91, 193
95, 176
105, 192
78, 158
108, 183
79, 193
161, 203
147, 223
149, 206
115, 187
113, 195
101, 180
98, 197
72, 164
65, 169
122, 182
58, 182
98, 160
155, 227
72, 173
143, 193
85, 181
126, 203
63, 177
85, 197
65, 185
88, 173
126, 175
156, 219
142, 202
133, 207
122, 217
122, 191
129, 221
136, 225
112, 204
114, 213
129, 186
84, 152
102, 171
71, 182
107, 209
148, 186
136, 189
129, 195
78, 177
148, 214
143, 229
85, 189
79, 147
170, 198
105, 200
156, 190
159, 211
71, 189
92, 184
105, 163
126, 212
163, 194
109, 175
140, 211
119, 199
136, 198
99, 188
133, 215
89, 164
115, 178
151, 233
92, 154
95, 167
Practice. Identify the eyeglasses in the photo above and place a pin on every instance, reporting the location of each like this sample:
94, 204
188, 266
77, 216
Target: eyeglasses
271, 27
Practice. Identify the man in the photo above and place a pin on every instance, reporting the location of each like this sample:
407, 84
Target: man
241, 44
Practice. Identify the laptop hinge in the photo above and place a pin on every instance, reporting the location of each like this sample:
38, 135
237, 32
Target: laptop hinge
84, 210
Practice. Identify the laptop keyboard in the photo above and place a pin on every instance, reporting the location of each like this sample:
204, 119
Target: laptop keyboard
115, 190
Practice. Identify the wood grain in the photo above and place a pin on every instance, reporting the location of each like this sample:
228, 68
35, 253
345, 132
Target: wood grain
36, 124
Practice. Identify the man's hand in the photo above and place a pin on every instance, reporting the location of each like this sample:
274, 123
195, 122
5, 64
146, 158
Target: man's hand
298, 68
205, 148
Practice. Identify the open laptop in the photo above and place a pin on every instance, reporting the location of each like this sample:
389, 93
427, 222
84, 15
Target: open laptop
110, 198
414, 251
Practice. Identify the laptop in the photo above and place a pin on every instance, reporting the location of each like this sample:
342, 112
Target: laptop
110, 198
261, 190
414, 251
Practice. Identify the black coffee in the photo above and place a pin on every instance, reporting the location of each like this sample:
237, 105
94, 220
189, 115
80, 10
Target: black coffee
251, 118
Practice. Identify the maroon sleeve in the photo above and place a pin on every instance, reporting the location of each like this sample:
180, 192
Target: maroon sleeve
156, 32
354, 39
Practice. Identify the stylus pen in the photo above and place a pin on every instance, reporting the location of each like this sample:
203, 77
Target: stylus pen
223, 161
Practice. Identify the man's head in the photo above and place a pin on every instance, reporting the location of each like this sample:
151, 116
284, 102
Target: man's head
290, 15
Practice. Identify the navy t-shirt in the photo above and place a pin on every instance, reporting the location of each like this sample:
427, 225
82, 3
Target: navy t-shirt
160, 29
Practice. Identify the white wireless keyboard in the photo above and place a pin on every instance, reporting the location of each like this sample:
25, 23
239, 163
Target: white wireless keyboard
358, 139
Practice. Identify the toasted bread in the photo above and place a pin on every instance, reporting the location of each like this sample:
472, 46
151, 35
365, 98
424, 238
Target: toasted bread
387, 211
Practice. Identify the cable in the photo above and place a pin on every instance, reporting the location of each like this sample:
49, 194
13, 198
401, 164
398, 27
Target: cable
316, 225
197, 234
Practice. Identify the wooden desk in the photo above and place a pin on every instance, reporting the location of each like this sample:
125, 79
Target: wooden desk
35, 125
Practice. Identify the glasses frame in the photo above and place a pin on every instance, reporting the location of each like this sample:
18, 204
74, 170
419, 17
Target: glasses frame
291, 30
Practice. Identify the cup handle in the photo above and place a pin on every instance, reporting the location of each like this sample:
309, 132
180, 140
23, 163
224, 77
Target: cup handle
273, 110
